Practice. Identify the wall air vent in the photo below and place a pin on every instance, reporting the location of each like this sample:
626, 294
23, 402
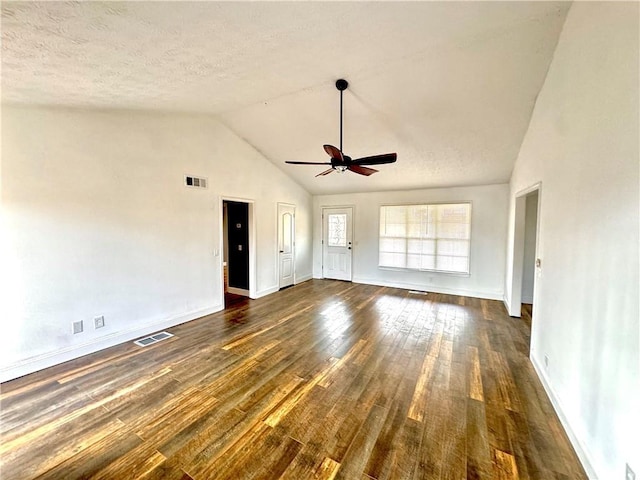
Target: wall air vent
151, 339
197, 182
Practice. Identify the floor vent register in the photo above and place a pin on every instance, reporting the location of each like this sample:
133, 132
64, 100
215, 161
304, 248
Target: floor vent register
151, 339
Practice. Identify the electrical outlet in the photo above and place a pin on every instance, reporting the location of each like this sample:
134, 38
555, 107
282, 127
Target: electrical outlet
99, 321
630, 475
76, 327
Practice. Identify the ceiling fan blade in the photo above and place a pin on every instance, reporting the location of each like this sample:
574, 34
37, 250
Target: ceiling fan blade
362, 170
376, 159
307, 163
326, 172
334, 152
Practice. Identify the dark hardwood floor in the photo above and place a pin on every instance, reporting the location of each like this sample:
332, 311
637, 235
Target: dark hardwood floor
526, 312
322, 380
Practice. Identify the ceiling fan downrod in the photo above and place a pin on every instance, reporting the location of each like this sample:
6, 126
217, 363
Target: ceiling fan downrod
341, 85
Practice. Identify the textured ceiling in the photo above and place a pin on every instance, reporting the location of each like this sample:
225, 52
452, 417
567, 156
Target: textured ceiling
449, 86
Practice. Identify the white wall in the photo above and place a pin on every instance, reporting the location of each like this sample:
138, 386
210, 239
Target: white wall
97, 221
528, 264
582, 144
488, 239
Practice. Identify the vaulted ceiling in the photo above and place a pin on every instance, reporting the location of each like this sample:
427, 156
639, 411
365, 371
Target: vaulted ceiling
449, 86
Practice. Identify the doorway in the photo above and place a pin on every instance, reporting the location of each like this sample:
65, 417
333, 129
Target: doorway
286, 244
529, 256
238, 250
337, 231
526, 264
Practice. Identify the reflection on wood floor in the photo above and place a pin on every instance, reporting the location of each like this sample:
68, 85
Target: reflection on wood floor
231, 300
322, 380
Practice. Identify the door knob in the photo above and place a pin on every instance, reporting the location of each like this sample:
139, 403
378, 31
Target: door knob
281, 251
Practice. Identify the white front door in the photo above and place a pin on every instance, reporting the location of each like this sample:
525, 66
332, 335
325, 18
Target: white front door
336, 243
286, 243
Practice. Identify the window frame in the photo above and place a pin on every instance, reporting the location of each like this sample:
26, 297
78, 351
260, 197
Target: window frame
429, 270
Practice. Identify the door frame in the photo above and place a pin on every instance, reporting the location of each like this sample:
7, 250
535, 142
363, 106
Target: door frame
515, 305
252, 243
353, 221
284, 204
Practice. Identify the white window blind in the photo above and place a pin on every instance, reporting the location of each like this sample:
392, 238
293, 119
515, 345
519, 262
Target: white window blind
426, 237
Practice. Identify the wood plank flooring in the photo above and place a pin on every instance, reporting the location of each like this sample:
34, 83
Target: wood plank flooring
323, 380
526, 313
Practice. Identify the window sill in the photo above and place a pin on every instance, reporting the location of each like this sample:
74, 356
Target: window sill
439, 272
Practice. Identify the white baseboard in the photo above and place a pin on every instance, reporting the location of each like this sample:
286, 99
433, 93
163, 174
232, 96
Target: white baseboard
430, 288
507, 305
45, 360
275, 288
266, 291
586, 459
303, 278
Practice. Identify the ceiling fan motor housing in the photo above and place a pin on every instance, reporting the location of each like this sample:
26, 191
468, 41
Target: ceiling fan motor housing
336, 162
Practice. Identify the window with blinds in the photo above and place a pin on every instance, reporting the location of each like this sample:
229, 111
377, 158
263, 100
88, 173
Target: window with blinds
426, 237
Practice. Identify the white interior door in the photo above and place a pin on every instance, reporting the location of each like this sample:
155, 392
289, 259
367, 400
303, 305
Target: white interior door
337, 243
286, 243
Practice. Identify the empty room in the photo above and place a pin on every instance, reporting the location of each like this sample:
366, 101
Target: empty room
320, 240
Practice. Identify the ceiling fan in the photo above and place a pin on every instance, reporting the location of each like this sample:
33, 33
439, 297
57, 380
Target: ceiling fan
341, 162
